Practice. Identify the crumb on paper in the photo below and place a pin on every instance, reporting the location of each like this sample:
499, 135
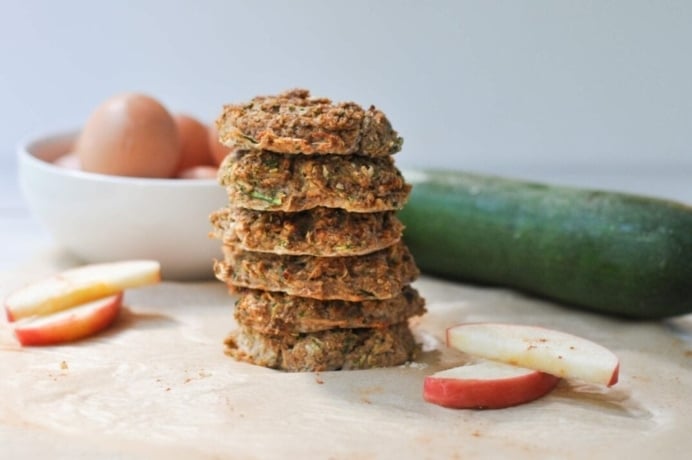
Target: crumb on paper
201, 374
414, 365
428, 342
367, 392
318, 378
63, 365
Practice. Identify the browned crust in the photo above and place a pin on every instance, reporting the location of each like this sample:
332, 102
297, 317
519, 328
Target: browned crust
320, 231
293, 122
278, 313
267, 181
326, 350
378, 275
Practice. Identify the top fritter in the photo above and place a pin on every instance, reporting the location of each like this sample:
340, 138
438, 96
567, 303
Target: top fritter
293, 122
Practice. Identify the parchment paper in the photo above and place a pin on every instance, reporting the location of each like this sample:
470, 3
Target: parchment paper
157, 385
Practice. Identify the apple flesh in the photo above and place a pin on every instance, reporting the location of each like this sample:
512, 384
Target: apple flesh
78, 286
486, 385
546, 350
69, 325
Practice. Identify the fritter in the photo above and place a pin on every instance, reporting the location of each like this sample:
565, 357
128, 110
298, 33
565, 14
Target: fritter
268, 181
278, 313
378, 275
293, 122
326, 350
324, 232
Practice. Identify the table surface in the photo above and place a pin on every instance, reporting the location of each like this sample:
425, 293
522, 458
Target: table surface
158, 384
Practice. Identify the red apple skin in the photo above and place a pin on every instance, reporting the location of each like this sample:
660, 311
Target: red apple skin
487, 394
69, 325
616, 375
78, 286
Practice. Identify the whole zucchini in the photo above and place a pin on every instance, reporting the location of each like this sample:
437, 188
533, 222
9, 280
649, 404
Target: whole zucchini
604, 251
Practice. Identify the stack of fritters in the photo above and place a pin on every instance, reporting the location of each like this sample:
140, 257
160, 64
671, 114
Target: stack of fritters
311, 242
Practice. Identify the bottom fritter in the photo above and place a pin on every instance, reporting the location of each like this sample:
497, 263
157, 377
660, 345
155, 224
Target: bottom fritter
335, 349
278, 313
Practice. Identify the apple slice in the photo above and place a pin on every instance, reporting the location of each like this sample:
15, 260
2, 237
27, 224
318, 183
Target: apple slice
69, 325
538, 348
78, 286
486, 385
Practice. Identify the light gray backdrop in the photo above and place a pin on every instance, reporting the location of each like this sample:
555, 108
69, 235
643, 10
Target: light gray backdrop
564, 89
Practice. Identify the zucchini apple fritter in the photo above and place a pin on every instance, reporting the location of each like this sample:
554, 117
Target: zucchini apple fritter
293, 122
268, 181
325, 350
378, 275
324, 232
269, 312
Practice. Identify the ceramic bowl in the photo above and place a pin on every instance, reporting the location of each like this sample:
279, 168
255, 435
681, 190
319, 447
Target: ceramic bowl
101, 218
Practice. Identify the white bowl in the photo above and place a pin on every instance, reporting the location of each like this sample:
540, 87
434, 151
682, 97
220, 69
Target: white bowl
102, 218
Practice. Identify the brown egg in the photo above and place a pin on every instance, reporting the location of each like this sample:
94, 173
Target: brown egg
195, 148
69, 161
218, 150
130, 135
199, 172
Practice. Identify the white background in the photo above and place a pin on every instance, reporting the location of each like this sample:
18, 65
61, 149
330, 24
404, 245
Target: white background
597, 93
478, 85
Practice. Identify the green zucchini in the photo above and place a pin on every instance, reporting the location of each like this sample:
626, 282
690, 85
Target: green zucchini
608, 252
